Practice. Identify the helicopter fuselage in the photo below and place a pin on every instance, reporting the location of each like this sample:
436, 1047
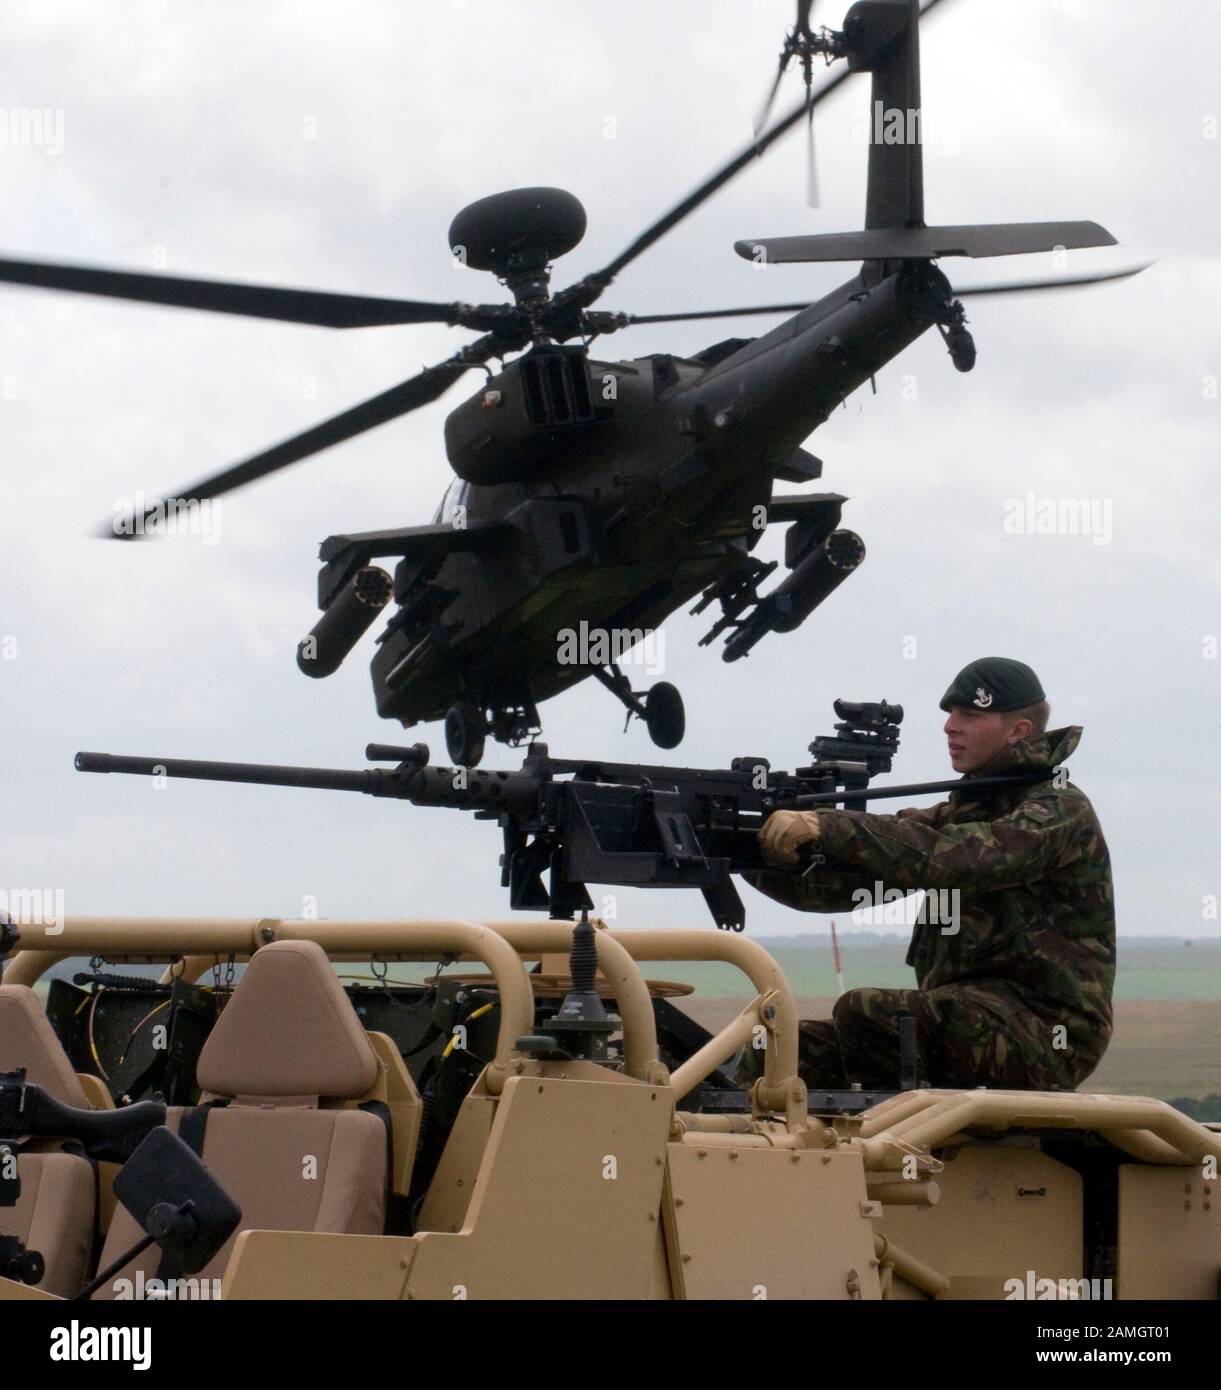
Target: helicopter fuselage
626, 496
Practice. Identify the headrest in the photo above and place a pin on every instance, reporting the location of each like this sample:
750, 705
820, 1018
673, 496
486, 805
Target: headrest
289, 1030
28, 1040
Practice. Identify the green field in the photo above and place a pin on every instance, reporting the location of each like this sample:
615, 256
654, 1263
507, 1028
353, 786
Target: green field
1150, 968
1167, 1040
1156, 1050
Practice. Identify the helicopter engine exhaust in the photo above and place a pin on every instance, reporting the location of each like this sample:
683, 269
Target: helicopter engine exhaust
345, 622
822, 571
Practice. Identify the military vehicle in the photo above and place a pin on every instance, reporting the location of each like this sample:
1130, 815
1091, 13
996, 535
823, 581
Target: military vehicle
496, 1133
689, 1180
593, 498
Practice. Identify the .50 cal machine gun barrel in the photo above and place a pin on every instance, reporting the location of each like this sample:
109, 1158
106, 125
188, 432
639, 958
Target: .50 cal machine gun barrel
206, 770
570, 822
413, 780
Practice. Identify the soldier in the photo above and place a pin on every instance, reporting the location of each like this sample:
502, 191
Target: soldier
1015, 988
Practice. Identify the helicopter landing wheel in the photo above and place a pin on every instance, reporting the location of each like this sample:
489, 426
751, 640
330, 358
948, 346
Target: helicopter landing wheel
465, 730
664, 715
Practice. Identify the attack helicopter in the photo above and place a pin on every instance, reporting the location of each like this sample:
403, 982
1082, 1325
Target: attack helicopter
600, 496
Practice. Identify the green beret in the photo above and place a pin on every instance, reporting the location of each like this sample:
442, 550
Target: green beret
994, 683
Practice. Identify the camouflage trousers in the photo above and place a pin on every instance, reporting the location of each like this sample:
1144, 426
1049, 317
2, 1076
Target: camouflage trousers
964, 1038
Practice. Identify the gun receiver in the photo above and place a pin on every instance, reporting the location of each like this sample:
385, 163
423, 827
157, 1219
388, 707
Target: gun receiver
581, 821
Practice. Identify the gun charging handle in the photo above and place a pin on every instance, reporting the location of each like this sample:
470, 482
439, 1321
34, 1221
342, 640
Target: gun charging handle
417, 755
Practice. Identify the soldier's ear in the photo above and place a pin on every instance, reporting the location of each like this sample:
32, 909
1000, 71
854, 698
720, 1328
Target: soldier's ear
1022, 729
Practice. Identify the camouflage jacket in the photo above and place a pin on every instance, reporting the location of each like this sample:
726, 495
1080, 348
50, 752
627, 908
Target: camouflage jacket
1035, 929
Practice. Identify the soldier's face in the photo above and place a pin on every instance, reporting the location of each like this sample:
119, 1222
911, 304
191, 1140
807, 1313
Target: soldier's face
976, 736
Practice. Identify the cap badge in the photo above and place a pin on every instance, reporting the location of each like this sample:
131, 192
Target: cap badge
982, 698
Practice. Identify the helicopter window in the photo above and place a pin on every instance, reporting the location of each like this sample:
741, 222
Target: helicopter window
455, 497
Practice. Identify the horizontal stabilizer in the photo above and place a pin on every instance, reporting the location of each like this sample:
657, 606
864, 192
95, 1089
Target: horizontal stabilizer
924, 243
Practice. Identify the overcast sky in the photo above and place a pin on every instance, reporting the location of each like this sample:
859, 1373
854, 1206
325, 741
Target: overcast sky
328, 146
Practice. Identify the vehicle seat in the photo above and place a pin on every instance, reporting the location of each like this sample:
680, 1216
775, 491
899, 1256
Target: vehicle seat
55, 1212
287, 1043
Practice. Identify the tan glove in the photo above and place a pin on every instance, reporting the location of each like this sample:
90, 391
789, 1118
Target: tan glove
785, 832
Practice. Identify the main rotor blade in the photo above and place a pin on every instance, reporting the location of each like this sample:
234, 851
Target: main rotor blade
718, 180
399, 400
1064, 283
770, 100
319, 307
719, 313
1099, 277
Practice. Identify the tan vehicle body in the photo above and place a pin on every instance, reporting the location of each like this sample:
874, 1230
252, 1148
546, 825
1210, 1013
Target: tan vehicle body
565, 1179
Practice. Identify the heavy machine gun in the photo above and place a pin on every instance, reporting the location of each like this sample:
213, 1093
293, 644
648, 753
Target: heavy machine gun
582, 821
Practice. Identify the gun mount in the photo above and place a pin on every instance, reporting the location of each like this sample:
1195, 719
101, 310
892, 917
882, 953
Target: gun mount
570, 822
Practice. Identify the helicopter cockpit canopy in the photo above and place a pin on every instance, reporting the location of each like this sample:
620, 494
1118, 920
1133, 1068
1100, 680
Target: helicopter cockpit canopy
456, 495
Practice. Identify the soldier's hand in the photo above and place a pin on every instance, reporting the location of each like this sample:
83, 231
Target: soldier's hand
785, 832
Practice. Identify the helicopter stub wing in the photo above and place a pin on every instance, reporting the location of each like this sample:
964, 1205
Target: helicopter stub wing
781, 510
440, 537
345, 554
810, 519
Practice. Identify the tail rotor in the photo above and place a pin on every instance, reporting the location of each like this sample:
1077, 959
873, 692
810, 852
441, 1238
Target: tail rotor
802, 44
